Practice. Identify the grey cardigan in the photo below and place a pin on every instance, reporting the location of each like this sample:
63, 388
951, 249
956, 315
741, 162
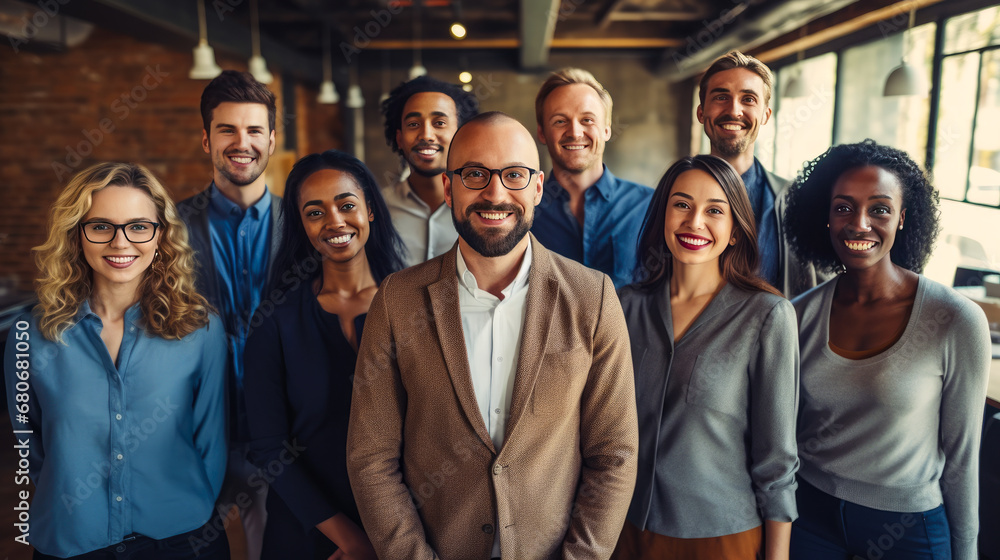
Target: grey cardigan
703, 472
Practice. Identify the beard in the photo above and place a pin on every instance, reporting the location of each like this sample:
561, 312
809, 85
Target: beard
492, 244
246, 177
734, 146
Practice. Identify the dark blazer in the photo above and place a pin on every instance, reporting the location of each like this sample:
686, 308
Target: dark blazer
429, 482
194, 212
798, 276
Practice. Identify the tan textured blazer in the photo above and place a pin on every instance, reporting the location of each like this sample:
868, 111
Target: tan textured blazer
426, 476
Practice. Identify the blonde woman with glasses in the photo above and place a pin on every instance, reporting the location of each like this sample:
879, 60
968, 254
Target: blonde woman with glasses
116, 380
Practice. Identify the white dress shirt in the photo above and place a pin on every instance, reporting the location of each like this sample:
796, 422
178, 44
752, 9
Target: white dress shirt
427, 232
492, 329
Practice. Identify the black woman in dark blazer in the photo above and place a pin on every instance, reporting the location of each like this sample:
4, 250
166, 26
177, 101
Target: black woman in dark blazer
337, 245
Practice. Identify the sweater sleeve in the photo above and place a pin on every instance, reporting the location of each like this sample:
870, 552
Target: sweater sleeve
966, 374
774, 397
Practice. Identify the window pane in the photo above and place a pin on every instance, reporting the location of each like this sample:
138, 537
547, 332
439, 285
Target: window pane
972, 31
804, 125
954, 127
984, 175
898, 121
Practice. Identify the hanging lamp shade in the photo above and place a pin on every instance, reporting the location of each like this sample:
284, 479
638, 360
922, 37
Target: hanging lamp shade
355, 100
204, 67
795, 87
904, 80
258, 69
328, 93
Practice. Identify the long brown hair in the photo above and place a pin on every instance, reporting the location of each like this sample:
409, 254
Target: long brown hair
738, 263
171, 307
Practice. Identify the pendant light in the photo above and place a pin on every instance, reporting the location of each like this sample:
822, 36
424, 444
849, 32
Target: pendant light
327, 91
905, 79
417, 69
204, 67
258, 68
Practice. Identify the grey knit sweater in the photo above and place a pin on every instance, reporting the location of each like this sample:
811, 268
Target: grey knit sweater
898, 431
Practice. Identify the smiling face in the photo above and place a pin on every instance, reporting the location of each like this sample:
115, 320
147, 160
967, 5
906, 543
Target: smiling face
733, 111
866, 211
494, 220
120, 262
430, 120
334, 215
574, 128
239, 142
698, 225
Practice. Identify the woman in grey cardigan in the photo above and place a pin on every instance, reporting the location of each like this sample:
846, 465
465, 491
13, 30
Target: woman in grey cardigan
894, 368
715, 354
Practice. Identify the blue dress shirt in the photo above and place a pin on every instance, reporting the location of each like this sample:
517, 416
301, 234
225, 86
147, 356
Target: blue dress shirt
114, 449
613, 211
241, 244
762, 201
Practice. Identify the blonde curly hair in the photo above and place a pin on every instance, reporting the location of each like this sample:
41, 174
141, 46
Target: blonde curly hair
171, 306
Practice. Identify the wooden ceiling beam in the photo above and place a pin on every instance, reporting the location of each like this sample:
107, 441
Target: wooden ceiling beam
839, 24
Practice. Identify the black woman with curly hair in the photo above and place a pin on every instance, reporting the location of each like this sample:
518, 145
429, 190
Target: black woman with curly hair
893, 368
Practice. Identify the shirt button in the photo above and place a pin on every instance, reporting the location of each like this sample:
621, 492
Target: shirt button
500, 359
496, 469
131, 329
243, 233
497, 411
118, 416
118, 498
244, 271
120, 456
488, 529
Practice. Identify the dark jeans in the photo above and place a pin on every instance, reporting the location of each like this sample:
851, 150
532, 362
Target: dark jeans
829, 528
186, 546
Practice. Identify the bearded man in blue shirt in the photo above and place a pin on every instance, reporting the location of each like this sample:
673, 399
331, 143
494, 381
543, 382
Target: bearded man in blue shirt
735, 95
235, 229
586, 213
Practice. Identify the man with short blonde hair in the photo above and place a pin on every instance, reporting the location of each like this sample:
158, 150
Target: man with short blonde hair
586, 213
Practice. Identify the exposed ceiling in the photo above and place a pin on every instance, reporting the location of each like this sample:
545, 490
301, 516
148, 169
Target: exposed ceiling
684, 35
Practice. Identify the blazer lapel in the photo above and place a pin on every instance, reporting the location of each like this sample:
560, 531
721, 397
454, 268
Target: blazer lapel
448, 322
543, 292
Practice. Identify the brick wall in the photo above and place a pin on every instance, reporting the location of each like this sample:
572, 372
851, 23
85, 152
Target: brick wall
112, 98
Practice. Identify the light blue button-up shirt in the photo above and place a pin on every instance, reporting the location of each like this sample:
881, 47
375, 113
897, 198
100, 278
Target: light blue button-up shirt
241, 247
613, 211
114, 449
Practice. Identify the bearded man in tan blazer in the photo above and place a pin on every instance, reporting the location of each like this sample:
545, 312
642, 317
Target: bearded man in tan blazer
494, 408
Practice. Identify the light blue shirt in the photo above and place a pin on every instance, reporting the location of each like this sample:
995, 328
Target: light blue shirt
241, 245
114, 449
613, 211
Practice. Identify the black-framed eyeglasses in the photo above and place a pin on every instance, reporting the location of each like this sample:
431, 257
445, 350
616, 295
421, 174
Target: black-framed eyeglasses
104, 232
513, 178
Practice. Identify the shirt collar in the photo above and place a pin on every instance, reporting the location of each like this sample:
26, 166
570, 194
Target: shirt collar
606, 186
225, 207
468, 280
753, 175
133, 314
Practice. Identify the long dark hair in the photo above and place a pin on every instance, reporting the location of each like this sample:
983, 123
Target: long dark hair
738, 263
296, 254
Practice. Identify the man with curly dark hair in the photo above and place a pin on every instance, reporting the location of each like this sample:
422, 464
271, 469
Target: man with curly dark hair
735, 94
893, 368
421, 116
